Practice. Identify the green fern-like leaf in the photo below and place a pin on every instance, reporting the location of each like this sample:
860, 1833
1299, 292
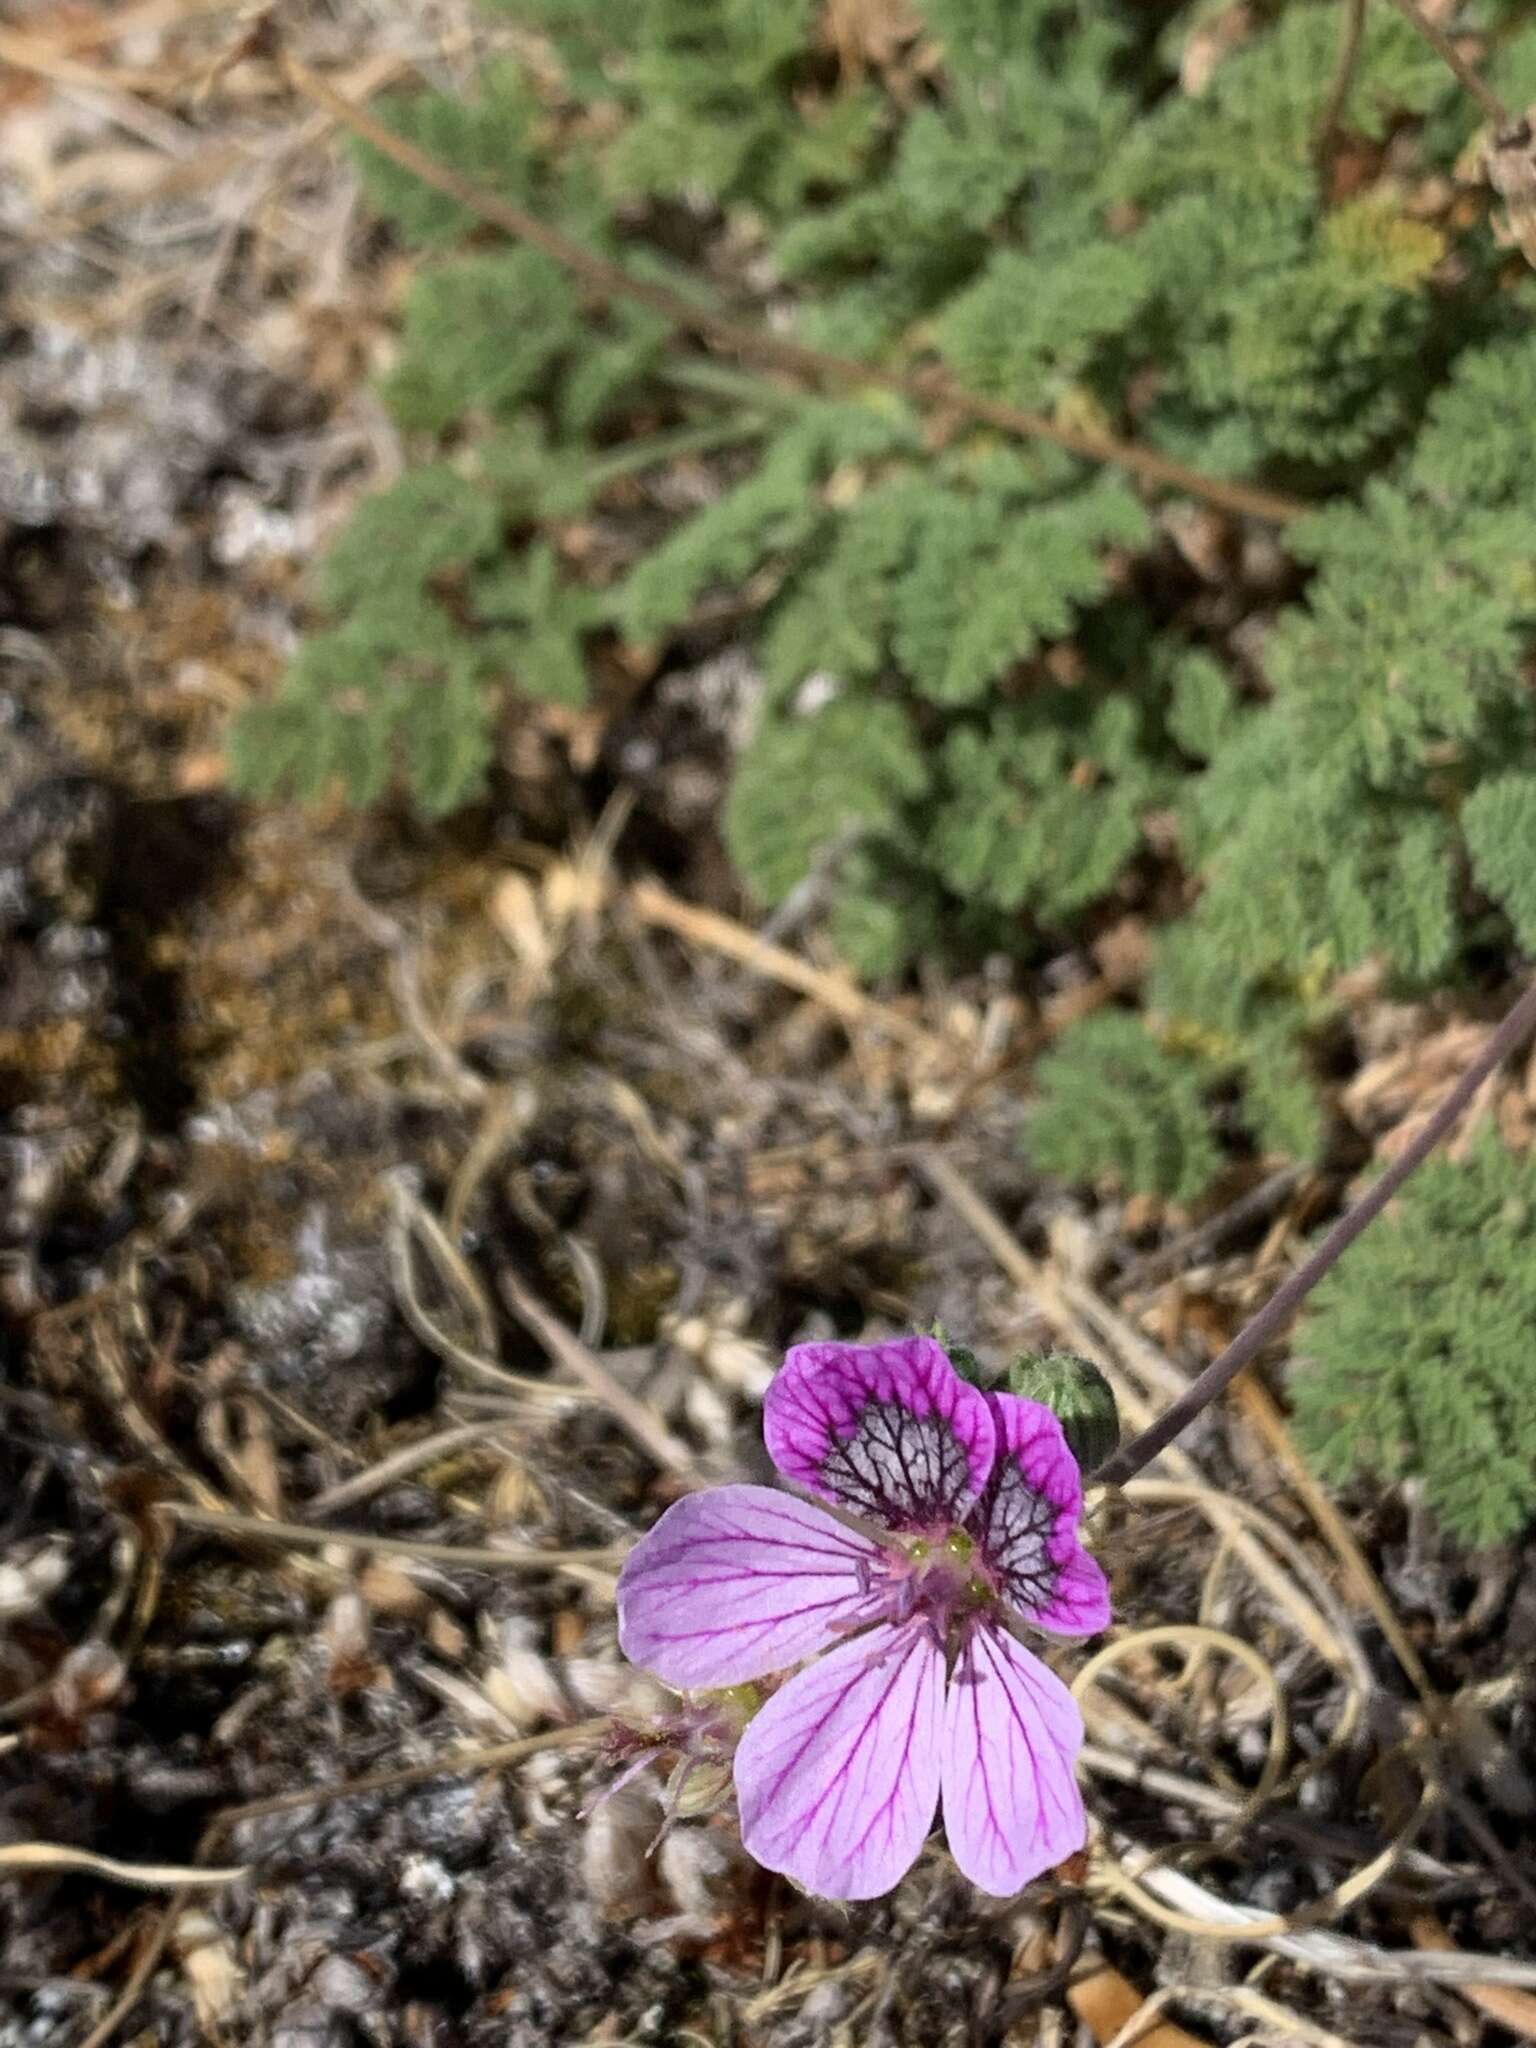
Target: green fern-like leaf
1410, 637
1296, 774
608, 368
1116, 1104
1303, 878
1204, 712
398, 690
433, 522
1466, 454
1499, 821
1043, 805
1323, 357
775, 512
351, 717
443, 734
812, 785
480, 334
991, 579
886, 910
488, 137
835, 618
1029, 326
709, 83
1417, 1350
538, 623
1254, 129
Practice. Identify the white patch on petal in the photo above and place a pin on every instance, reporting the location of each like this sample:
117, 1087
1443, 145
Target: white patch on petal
897, 1466
1013, 1525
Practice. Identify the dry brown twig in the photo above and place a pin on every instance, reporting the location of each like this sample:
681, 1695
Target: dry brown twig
400, 1464
143, 1969
414, 1227
1196, 1245
1342, 81
1260, 1410
1507, 1037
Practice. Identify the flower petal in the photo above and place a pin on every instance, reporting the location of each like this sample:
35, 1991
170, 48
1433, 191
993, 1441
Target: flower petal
736, 1582
1011, 1736
890, 1431
837, 1776
1025, 1524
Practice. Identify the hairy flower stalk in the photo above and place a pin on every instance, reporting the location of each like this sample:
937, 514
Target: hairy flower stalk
957, 1524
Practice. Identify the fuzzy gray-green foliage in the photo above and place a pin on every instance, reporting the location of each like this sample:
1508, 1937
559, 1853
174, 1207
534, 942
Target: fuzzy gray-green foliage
982, 724
1415, 1358
1147, 1105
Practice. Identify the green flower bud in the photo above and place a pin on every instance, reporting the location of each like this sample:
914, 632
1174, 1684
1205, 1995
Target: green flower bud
1077, 1394
696, 1789
965, 1362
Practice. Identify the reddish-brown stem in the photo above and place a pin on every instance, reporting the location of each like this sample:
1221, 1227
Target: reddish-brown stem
1344, 72
925, 388
1285, 1300
1466, 76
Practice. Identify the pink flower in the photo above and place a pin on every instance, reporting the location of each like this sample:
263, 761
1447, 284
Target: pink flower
969, 1504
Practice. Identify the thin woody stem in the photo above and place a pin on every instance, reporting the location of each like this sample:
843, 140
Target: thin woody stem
925, 388
1344, 71
1283, 1303
1446, 50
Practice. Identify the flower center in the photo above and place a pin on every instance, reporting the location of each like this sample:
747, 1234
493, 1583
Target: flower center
937, 1576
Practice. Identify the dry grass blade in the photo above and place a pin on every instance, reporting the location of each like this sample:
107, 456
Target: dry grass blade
1197, 1244
596, 1566
1241, 1998
837, 993
1116, 2014
1266, 1418
1337, 1955
399, 1465
1502, 2004
798, 1982
1299, 1590
17, 1857
414, 1231
1173, 1899
638, 1422
143, 1969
